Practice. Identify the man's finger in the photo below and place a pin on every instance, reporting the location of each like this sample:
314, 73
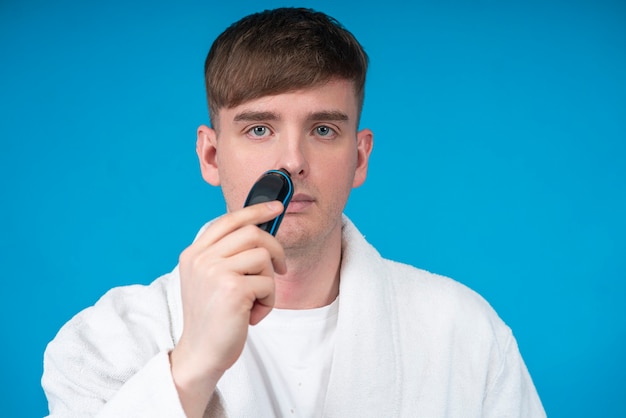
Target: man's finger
251, 215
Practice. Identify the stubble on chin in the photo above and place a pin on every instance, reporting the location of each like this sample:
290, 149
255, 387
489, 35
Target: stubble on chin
306, 241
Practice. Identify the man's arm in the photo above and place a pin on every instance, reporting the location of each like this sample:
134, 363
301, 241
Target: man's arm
227, 283
118, 358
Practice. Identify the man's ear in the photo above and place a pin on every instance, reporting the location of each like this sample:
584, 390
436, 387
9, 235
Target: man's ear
206, 148
365, 142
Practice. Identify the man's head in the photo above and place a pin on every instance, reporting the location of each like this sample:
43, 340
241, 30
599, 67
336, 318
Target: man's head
285, 90
278, 51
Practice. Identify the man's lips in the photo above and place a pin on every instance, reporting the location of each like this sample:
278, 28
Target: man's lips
299, 202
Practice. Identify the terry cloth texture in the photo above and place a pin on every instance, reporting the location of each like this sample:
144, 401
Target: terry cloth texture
408, 344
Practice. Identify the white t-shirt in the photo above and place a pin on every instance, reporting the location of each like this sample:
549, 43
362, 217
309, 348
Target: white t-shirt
294, 349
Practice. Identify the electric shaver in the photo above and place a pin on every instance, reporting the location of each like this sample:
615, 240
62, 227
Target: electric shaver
272, 185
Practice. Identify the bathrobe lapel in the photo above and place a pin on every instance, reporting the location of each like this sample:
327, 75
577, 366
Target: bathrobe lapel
365, 365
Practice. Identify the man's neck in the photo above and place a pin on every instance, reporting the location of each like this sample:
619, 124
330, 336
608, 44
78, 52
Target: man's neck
312, 278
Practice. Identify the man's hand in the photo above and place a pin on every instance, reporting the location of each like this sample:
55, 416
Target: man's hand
227, 283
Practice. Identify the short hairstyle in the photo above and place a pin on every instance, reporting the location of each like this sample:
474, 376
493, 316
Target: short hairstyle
281, 50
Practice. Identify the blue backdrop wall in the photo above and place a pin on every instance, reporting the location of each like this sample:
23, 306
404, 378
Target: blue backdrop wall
502, 125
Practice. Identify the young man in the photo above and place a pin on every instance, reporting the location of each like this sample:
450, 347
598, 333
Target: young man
312, 322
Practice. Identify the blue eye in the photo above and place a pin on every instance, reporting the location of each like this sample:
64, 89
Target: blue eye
324, 130
259, 131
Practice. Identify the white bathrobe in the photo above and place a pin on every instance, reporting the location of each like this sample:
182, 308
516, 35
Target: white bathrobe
408, 344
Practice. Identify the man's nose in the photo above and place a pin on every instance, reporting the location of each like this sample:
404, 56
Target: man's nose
293, 156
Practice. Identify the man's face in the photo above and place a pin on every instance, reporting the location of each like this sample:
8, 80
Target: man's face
313, 134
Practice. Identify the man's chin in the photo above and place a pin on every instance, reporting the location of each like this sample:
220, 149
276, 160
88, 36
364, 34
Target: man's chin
293, 236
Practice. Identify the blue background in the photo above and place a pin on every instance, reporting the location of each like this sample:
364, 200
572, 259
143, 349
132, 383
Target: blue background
500, 160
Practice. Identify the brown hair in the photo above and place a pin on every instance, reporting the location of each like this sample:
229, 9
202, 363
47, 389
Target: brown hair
277, 51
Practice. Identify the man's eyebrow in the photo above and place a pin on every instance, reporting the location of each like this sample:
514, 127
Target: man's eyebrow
260, 116
252, 116
330, 115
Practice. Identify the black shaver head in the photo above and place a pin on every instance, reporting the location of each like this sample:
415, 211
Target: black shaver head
272, 185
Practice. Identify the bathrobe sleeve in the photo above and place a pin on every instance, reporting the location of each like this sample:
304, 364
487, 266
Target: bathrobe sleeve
512, 392
111, 360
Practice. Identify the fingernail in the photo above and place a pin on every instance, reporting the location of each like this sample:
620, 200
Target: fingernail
274, 205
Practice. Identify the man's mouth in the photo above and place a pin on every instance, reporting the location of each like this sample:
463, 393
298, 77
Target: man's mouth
299, 203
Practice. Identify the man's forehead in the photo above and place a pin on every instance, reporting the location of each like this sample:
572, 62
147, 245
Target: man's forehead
333, 100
